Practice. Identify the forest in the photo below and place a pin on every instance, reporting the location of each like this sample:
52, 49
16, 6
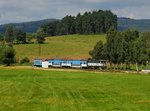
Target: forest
95, 22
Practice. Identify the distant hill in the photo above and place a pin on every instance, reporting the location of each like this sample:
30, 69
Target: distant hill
139, 24
123, 24
27, 26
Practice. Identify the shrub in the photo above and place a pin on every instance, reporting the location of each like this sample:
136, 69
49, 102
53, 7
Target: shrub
8, 55
25, 60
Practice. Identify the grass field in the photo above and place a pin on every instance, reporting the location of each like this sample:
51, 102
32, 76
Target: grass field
69, 46
39, 90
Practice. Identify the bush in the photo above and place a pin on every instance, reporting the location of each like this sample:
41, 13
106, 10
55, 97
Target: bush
8, 55
25, 60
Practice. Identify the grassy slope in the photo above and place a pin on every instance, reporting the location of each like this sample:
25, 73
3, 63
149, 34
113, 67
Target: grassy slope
70, 46
36, 90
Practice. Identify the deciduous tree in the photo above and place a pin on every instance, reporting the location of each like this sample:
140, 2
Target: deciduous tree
40, 35
97, 52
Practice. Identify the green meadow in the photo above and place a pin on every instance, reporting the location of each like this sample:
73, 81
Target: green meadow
68, 46
49, 90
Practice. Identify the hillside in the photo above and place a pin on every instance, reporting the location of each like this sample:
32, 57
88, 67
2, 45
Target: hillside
69, 46
27, 26
141, 25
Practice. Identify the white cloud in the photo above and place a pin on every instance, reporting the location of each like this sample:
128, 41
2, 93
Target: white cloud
99, 1
26, 10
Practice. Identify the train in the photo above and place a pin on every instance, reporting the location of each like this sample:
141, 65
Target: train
71, 63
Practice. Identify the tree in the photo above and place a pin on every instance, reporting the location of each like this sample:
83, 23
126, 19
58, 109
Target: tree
110, 48
29, 37
1, 37
66, 25
144, 42
2, 47
20, 36
8, 55
40, 36
137, 54
85, 22
50, 28
129, 36
118, 52
141, 49
110, 20
97, 52
9, 34
78, 24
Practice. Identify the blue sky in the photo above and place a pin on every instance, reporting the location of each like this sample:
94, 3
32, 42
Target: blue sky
31, 10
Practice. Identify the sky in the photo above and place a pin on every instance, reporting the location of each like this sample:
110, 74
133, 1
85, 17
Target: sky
15, 11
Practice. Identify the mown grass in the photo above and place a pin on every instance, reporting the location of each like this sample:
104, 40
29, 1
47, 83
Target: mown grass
37, 90
68, 46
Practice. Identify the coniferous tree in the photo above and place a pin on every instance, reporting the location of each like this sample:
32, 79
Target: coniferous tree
66, 25
78, 24
89, 23
9, 34
50, 28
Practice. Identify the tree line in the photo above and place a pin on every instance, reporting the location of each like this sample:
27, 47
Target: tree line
127, 47
13, 35
88, 23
